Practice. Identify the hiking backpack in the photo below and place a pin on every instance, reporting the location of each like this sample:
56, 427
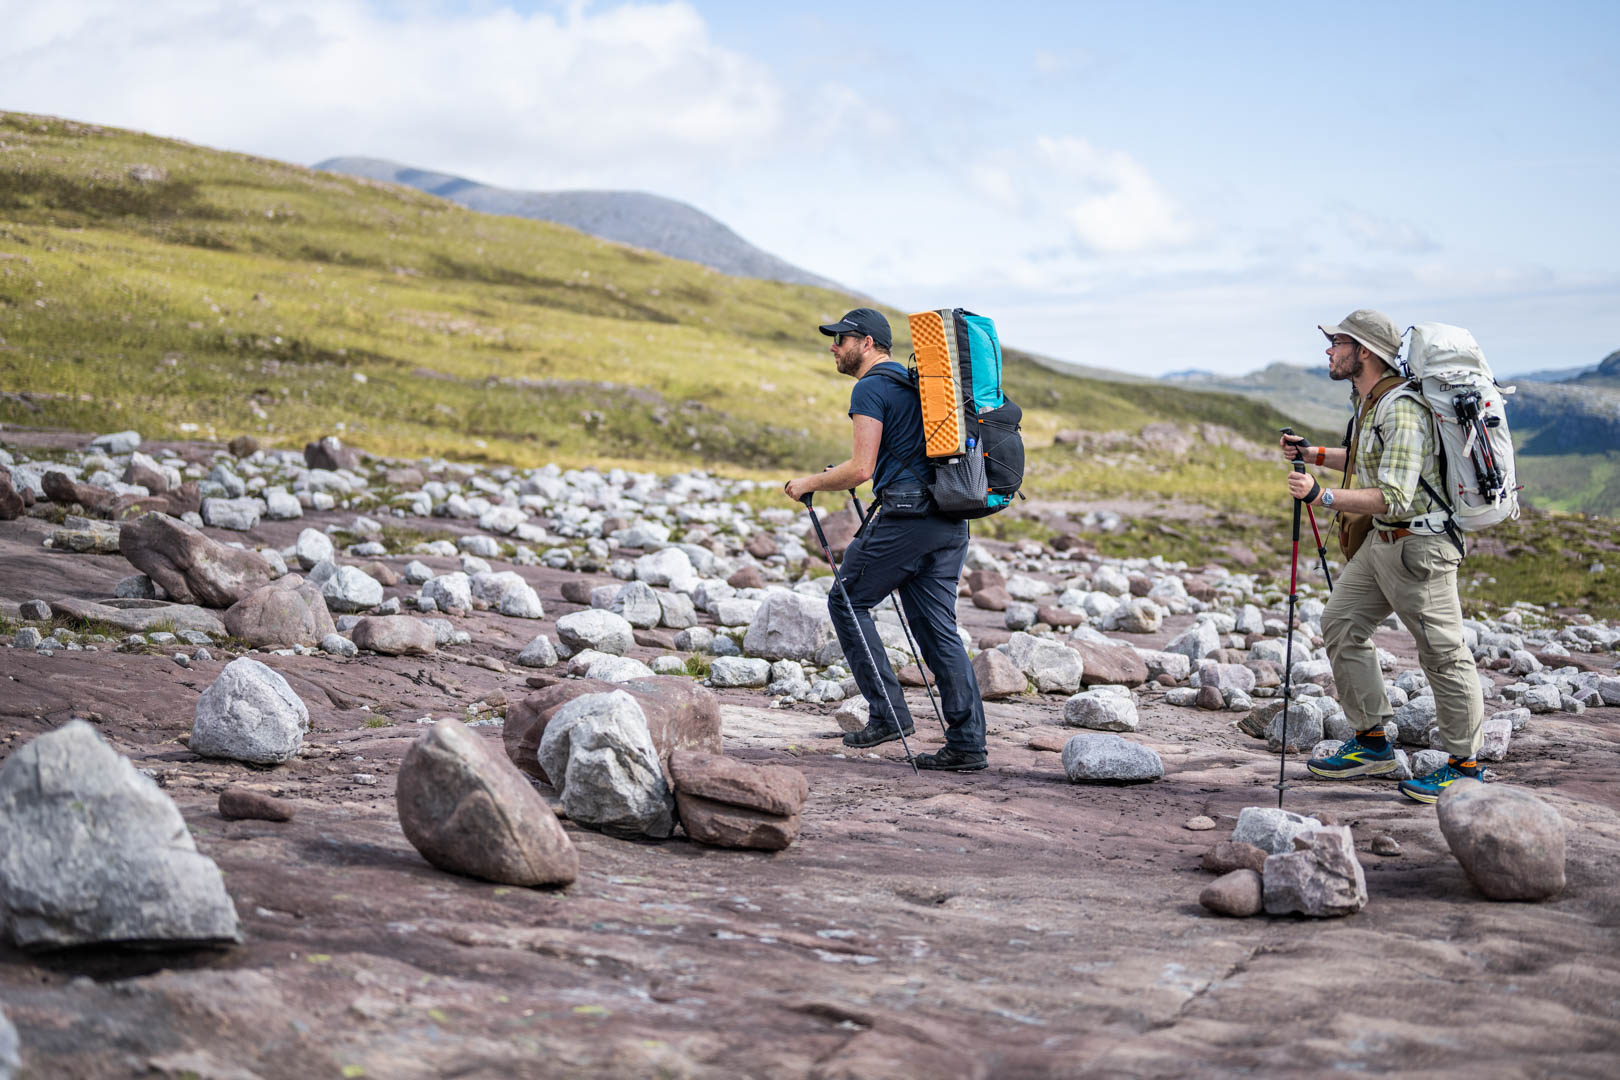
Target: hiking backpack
1451, 379
971, 434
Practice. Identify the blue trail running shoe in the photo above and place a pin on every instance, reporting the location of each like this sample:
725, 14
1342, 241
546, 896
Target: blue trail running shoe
1355, 758
1427, 789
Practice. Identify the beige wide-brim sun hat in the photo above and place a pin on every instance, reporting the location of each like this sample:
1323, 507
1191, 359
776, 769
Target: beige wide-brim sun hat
1373, 329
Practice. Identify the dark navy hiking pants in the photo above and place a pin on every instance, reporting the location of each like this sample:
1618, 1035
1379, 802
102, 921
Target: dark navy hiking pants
921, 558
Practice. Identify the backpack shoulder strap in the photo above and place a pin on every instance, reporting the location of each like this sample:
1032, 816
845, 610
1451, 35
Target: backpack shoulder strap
909, 381
1367, 407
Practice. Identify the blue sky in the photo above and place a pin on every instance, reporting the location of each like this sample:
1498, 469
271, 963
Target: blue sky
1139, 186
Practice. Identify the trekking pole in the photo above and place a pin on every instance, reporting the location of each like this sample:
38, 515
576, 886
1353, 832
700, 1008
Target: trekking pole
938, 713
1288, 650
1321, 548
866, 646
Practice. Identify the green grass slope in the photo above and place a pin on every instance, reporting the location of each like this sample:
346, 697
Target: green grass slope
152, 284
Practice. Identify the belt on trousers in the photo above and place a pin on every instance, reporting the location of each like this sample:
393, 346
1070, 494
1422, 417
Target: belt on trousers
1391, 537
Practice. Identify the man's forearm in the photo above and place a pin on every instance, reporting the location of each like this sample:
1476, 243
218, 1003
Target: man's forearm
1358, 501
841, 477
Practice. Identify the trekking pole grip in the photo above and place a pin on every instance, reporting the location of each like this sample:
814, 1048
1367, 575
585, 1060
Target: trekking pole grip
806, 498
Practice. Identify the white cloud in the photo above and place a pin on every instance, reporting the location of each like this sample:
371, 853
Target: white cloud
536, 99
1120, 208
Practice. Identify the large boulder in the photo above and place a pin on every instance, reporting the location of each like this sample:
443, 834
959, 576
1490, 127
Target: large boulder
637, 604
600, 756
731, 803
596, 629
312, 547
1107, 757
1320, 877
680, 715
1111, 664
394, 635
1197, 641
1053, 667
190, 567
507, 593
348, 589
237, 515
1271, 829
789, 626
1101, 710
451, 593
470, 811
91, 851
664, 567
277, 617
1510, 843
249, 714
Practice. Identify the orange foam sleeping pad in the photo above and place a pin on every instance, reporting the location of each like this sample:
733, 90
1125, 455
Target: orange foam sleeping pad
933, 340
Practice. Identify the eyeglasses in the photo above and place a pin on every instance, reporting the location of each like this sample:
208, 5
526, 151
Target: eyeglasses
1336, 342
838, 339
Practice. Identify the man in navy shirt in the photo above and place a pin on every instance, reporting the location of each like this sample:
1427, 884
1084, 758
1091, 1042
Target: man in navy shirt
919, 556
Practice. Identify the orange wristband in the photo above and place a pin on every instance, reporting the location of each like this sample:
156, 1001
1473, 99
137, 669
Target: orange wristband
1321, 455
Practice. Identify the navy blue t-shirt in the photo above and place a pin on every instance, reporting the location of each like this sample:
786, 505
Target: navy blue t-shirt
896, 406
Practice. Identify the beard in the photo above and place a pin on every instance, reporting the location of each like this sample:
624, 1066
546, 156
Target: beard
849, 361
1353, 372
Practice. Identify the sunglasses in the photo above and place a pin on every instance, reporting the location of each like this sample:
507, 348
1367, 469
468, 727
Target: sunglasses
838, 339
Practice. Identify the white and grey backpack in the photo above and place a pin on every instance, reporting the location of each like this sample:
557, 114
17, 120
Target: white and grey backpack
1453, 381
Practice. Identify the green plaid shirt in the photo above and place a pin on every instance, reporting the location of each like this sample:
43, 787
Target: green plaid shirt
1392, 456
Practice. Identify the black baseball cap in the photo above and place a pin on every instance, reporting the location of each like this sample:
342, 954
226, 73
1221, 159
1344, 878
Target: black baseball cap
863, 321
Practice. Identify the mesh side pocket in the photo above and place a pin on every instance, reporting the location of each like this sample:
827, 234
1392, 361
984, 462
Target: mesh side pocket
959, 482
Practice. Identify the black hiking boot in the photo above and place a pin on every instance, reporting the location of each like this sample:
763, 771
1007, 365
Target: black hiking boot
949, 759
875, 733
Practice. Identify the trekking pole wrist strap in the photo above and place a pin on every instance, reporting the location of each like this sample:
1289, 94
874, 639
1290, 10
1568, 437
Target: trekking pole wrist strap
1310, 496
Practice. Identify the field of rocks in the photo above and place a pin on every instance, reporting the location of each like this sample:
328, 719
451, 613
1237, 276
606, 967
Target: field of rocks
316, 764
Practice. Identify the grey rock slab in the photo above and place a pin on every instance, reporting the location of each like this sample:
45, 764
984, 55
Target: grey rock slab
249, 714
468, 810
351, 589
452, 593
676, 611
139, 616
238, 515
594, 629
1510, 842
538, 653
10, 1048
665, 567
1270, 829
1196, 642
1107, 757
92, 851
599, 754
739, 671
638, 604
618, 669
1101, 710
788, 626
1321, 877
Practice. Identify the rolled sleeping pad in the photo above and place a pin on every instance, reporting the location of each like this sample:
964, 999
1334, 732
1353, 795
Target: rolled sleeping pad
939, 382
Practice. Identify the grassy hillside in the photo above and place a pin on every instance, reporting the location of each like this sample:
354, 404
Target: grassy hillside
151, 284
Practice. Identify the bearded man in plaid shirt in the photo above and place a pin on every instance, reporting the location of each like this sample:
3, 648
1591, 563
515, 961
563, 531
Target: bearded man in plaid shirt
1406, 563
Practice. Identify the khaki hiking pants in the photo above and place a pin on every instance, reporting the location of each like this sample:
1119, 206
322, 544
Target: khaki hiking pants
1415, 577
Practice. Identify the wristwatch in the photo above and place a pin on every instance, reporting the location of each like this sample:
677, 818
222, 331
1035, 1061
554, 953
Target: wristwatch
1327, 498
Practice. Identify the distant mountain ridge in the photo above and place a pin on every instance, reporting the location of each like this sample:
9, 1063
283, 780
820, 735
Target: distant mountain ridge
636, 218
